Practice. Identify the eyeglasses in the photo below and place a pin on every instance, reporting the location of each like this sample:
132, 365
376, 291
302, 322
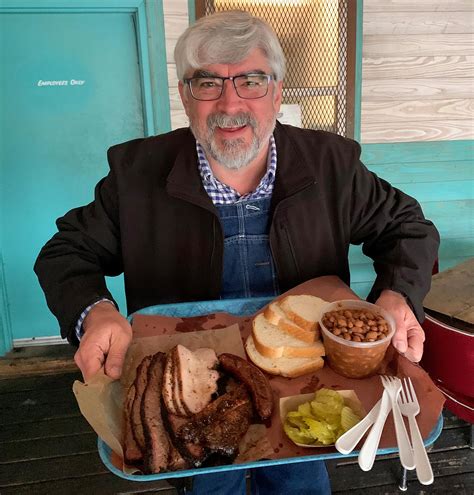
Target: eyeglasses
247, 86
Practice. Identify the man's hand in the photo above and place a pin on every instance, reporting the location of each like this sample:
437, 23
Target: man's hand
107, 336
409, 336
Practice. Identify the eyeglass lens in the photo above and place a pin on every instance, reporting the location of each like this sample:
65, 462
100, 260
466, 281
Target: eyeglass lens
246, 86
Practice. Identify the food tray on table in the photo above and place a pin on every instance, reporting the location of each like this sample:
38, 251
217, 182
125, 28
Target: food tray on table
244, 309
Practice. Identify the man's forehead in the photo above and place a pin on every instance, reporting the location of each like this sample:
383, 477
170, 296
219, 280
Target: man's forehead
256, 62
212, 73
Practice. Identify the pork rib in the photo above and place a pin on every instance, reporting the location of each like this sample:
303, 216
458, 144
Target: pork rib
220, 426
193, 453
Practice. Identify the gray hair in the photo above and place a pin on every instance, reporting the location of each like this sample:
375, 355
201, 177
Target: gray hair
227, 38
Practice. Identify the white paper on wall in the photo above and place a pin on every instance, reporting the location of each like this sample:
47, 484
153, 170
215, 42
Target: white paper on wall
290, 114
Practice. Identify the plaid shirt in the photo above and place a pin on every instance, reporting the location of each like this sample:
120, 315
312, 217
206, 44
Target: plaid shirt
222, 194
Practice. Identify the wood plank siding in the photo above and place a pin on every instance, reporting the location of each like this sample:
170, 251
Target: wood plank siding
176, 20
417, 71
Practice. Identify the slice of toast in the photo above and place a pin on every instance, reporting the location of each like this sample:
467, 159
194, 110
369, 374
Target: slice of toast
276, 316
284, 366
272, 342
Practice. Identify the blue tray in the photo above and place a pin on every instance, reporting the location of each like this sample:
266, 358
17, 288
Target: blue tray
239, 307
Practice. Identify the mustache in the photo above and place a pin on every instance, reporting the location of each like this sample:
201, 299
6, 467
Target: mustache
223, 120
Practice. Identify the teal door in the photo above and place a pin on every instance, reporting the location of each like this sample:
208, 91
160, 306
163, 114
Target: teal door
71, 86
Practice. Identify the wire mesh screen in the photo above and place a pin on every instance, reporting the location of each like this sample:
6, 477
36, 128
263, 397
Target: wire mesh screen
314, 38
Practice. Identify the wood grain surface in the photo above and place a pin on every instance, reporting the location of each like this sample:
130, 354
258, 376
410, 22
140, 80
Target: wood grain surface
439, 22
415, 110
389, 45
420, 53
402, 66
418, 88
416, 130
417, 6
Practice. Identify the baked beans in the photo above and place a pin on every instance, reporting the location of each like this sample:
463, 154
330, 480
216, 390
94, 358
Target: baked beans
356, 325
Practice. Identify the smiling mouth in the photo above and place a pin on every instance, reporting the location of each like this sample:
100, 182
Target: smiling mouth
232, 129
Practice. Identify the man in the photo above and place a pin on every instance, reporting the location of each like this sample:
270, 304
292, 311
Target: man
236, 206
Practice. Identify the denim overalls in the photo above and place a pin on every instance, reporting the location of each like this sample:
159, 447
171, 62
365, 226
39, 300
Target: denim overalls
249, 270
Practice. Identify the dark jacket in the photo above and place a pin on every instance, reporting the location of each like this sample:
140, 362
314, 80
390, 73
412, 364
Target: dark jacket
152, 219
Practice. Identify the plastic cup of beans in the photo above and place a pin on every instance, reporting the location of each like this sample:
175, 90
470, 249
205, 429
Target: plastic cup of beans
356, 335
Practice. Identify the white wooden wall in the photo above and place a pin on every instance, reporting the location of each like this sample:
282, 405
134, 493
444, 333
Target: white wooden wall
417, 71
176, 20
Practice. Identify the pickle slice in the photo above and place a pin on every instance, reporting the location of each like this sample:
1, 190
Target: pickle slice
320, 421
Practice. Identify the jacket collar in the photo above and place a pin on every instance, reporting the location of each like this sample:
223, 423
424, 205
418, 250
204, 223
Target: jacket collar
293, 170
184, 180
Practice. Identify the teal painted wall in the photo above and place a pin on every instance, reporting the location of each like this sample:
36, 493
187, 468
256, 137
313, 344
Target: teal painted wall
53, 140
192, 11
440, 175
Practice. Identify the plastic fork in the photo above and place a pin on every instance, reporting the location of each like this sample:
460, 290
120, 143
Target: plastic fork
393, 386
410, 408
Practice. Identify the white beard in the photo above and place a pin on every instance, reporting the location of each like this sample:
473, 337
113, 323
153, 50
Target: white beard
233, 153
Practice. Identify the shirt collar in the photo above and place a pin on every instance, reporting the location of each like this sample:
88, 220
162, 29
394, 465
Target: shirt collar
210, 180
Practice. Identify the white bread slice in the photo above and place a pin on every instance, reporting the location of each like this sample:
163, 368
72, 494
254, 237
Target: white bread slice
276, 316
304, 310
272, 342
289, 367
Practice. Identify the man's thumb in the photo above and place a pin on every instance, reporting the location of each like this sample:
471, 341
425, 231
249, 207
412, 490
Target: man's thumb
399, 340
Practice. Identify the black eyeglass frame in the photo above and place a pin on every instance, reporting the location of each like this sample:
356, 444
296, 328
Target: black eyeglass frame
269, 77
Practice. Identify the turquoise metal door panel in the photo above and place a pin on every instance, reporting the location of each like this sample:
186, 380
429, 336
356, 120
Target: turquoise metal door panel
70, 88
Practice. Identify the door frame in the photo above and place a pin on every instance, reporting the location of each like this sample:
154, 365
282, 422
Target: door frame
150, 37
6, 333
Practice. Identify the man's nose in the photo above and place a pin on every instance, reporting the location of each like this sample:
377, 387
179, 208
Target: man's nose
229, 97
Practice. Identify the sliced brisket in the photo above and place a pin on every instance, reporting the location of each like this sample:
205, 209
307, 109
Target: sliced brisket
156, 438
132, 452
168, 385
140, 386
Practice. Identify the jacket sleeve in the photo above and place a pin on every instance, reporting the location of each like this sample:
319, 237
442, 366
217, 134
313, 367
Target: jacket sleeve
395, 234
72, 265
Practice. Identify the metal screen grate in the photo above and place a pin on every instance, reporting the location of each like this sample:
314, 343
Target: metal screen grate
314, 38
